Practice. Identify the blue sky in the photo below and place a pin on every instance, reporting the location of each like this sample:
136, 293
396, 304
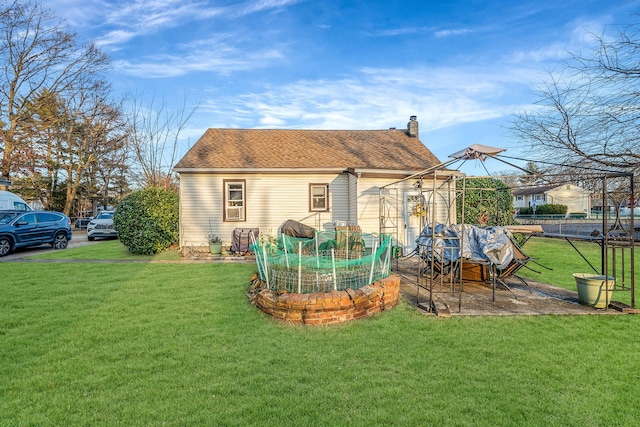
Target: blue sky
462, 66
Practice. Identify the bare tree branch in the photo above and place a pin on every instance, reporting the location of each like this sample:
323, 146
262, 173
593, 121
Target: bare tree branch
155, 134
36, 53
589, 113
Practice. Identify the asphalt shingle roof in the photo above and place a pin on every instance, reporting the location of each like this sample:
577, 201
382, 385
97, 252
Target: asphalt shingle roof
390, 149
534, 190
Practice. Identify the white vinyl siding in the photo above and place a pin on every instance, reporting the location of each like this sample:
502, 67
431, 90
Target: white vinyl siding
575, 198
369, 206
271, 199
338, 201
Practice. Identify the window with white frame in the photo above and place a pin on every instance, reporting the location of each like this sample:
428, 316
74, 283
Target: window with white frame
519, 198
235, 206
540, 197
318, 197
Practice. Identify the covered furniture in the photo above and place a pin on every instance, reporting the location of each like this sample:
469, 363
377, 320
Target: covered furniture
242, 238
349, 241
471, 253
293, 228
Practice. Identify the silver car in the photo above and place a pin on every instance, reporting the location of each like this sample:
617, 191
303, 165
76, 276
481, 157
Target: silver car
101, 226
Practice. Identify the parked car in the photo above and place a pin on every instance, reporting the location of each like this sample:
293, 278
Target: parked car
81, 223
10, 201
19, 229
101, 226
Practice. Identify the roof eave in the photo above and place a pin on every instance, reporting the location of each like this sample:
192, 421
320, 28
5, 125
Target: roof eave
295, 170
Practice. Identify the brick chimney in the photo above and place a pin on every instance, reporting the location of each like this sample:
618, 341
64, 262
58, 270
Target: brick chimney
412, 127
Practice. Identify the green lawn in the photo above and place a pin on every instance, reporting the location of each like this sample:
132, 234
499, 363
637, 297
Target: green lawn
107, 250
179, 345
565, 261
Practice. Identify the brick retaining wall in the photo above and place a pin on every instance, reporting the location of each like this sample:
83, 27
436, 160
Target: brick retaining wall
324, 308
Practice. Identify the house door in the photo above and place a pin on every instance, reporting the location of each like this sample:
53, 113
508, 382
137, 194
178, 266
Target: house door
415, 211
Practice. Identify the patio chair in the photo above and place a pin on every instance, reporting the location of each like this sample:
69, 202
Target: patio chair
519, 261
349, 241
487, 272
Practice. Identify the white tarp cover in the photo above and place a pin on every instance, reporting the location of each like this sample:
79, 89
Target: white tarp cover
484, 244
477, 151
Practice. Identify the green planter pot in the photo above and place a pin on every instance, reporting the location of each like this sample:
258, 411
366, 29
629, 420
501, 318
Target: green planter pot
591, 289
215, 248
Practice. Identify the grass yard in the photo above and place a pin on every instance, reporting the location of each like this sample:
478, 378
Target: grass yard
565, 261
108, 250
178, 344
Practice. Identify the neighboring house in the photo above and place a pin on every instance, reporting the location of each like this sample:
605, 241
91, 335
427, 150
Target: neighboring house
259, 178
577, 200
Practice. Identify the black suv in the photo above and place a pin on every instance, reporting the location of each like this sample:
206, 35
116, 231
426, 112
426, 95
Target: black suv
19, 229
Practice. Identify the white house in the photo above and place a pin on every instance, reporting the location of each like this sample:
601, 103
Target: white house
259, 178
577, 200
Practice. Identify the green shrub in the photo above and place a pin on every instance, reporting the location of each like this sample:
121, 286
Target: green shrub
549, 209
525, 211
488, 202
147, 220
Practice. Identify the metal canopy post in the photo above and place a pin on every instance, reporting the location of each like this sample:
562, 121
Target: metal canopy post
633, 239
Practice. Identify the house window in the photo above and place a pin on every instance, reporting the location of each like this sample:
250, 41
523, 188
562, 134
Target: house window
318, 197
519, 198
235, 206
540, 197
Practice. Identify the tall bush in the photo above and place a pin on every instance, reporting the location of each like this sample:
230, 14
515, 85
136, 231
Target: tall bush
549, 209
488, 202
147, 220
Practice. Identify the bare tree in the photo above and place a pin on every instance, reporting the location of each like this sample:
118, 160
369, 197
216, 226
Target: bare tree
154, 140
36, 53
71, 138
590, 112
99, 131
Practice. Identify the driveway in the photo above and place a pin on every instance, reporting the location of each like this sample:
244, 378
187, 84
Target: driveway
79, 238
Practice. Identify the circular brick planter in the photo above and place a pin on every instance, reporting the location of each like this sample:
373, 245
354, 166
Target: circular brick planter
324, 308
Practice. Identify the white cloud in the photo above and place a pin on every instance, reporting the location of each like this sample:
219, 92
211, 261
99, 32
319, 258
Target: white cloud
585, 30
116, 37
450, 33
144, 17
399, 31
553, 52
260, 5
580, 37
214, 55
444, 99
125, 20
402, 31
376, 99
271, 121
